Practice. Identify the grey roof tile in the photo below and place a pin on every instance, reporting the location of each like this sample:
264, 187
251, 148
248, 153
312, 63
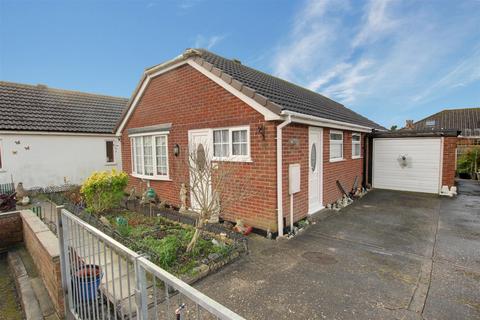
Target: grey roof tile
39, 108
466, 120
288, 95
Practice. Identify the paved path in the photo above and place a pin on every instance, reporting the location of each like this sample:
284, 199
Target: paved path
390, 255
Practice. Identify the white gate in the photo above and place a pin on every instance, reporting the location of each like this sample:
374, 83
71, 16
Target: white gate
103, 279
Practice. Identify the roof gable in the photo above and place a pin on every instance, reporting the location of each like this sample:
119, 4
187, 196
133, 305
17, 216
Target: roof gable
39, 108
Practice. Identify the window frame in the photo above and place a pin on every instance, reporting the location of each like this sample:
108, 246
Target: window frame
341, 158
114, 162
231, 157
133, 149
359, 142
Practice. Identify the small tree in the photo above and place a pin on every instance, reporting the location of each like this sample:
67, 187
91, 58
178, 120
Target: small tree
215, 187
104, 190
393, 128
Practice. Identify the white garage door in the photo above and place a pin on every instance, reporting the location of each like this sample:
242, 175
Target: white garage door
408, 164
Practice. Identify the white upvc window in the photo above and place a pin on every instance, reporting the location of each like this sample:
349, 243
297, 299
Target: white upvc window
336, 145
231, 144
150, 156
356, 146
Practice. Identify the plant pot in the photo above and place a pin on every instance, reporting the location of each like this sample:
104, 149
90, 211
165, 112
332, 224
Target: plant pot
87, 278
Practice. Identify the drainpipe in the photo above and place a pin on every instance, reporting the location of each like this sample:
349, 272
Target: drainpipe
280, 175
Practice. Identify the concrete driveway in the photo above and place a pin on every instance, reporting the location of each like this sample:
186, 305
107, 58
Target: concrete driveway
390, 255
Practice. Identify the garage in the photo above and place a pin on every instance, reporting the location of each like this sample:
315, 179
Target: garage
413, 161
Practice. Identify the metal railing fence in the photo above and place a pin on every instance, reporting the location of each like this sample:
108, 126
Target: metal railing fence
103, 279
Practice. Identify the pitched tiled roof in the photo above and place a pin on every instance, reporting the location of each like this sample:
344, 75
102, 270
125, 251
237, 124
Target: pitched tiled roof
287, 95
465, 120
39, 108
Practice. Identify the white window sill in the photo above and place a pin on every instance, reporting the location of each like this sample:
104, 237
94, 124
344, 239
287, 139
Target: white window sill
233, 159
157, 178
3, 170
356, 157
337, 159
111, 164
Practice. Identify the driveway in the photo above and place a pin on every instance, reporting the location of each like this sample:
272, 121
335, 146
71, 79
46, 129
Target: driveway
390, 255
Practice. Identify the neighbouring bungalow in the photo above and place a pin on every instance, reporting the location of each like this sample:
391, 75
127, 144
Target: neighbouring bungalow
49, 137
261, 123
466, 121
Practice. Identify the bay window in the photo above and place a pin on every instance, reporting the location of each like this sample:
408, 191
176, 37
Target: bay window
336, 145
150, 156
356, 146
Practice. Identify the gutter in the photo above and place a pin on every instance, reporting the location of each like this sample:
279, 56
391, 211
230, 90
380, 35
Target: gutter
280, 174
322, 122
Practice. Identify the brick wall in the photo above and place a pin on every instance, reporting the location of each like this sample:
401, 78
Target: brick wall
345, 170
449, 161
42, 245
11, 230
295, 153
189, 100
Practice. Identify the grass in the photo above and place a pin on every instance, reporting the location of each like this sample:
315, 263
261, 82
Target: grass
166, 241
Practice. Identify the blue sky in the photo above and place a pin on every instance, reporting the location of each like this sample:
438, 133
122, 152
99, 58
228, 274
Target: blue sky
388, 60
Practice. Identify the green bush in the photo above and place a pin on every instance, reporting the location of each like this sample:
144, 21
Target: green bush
104, 190
469, 161
166, 249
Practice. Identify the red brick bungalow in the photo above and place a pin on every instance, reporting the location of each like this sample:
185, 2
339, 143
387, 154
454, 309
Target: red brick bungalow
260, 122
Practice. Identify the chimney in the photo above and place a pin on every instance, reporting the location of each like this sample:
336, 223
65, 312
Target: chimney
409, 124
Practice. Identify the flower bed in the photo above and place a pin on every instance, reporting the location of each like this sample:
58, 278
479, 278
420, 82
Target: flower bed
166, 242
163, 235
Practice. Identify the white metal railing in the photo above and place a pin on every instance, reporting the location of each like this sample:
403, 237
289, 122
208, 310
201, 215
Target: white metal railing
103, 279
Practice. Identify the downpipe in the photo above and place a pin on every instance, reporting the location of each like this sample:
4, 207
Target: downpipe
280, 174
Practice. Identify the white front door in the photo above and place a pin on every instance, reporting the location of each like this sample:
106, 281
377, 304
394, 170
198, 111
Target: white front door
199, 144
315, 155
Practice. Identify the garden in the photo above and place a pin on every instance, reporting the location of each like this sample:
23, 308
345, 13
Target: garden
149, 227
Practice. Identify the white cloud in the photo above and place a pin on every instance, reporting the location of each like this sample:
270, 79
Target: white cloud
383, 56
208, 42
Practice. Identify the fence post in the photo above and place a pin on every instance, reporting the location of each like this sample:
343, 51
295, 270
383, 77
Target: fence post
63, 268
141, 291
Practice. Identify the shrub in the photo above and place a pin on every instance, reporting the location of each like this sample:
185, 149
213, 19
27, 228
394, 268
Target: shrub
469, 161
104, 190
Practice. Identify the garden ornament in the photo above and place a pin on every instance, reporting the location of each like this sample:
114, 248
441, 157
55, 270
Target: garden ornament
25, 200
183, 198
121, 221
21, 192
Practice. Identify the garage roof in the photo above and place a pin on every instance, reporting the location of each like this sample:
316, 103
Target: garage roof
40, 108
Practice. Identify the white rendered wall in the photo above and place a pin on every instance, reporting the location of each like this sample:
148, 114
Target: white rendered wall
48, 160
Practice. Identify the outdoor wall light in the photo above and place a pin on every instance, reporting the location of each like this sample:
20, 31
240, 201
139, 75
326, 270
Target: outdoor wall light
176, 150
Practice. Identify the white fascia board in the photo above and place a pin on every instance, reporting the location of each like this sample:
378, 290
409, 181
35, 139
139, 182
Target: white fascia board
322, 122
269, 115
56, 133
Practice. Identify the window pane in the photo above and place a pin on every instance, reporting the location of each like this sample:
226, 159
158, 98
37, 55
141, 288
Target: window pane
336, 136
147, 156
336, 151
138, 155
356, 150
109, 149
239, 136
356, 137
161, 155
220, 143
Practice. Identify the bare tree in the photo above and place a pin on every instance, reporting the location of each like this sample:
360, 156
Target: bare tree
215, 187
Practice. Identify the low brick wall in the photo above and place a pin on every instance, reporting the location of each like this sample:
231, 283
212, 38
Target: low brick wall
43, 246
11, 231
